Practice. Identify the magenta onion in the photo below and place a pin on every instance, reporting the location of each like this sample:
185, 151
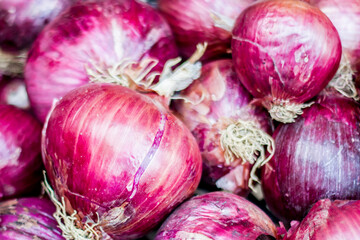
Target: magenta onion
345, 15
13, 92
215, 105
197, 21
118, 158
28, 219
285, 52
217, 215
96, 40
316, 157
329, 221
20, 161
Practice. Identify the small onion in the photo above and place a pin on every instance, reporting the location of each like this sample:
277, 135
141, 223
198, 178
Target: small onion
13, 92
316, 157
197, 21
215, 105
217, 216
118, 158
285, 52
20, 160
329, 221
28, 219
96, 41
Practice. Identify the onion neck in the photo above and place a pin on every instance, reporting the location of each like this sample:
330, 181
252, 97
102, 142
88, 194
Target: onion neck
12, 64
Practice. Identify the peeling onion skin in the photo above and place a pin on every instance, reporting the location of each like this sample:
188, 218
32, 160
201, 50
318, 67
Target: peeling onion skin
22, 20
101, 33
192, 23
224, 98
28, 219
285, 50
316, 157
20, 159
216, 216
329, 221
13, 92
105, 145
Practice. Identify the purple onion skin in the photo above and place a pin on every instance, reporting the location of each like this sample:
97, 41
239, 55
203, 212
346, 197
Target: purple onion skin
22, 20
107, 147
13, 92
329, 221
285, 50
192, 23
20, 160
224, 98
316, 157
102, 33
28, 219
216, 215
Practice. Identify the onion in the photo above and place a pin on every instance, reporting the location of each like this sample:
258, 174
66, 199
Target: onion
117, 158
20, 162
27, 219
197, 21
213, 107
13, 92
316, 157
329, 221
345, 15
285, 52
98, 41
217, 215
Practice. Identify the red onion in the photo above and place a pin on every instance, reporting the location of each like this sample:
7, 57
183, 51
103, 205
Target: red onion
28, 219
197, 21
213, 107
109, 40
285, 52
20, 162
118, 158
13, 92
329, 221
345, 15
217, 215
316, 157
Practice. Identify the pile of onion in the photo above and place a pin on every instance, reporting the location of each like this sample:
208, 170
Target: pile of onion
118, 161
329, 221
285, 52
220, 216
316, 157
28, 218
20, 160
13, 92
97, 41
197, 21
232, 134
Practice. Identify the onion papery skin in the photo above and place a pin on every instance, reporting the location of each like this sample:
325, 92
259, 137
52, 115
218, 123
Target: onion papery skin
28, 219
285, 51
224, 98
13, 92
329, 221
345, 15
20, 159
216, 215
192, 23
22, 20
101, 33
316, 157
109, 149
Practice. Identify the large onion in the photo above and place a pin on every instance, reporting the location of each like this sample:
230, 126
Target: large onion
329, 221
28, 219
197, 21
214, 107
118, 158
316, 157
285, 52
20, 161
99, 41
217, 216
